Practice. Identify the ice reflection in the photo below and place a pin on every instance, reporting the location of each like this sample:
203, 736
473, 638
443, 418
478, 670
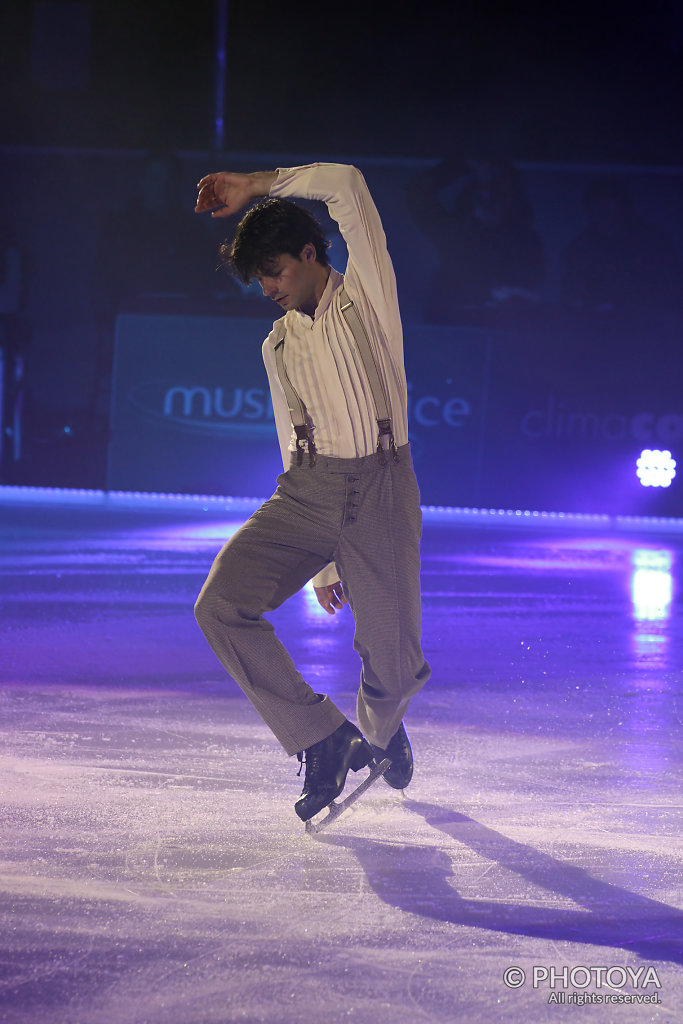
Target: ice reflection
579, 554
651, 596
652, 584
181, 536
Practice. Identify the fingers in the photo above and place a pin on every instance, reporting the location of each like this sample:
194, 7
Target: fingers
207, 199
323, 600
335, 597
330, 598
224, 193
325, 597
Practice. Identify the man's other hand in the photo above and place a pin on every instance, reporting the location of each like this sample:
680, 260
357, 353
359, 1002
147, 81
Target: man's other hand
331, 597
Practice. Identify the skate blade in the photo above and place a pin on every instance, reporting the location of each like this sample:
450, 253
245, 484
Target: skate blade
334, 809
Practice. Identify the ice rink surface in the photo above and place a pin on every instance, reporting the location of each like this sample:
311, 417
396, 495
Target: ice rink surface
153, 869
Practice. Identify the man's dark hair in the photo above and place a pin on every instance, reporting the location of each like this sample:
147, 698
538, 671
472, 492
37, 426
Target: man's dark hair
267, 230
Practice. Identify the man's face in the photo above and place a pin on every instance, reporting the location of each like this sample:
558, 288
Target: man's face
291, 281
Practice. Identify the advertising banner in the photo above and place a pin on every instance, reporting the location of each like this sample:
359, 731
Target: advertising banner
550, 419
191, 410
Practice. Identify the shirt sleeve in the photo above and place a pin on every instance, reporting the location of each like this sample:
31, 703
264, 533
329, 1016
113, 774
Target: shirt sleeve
327, 576
370, 271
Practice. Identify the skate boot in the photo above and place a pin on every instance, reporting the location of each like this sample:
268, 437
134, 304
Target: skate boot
400, 772
327, 765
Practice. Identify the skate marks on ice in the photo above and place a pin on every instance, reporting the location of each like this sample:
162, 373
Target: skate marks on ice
419, 879
196, 912
334, 810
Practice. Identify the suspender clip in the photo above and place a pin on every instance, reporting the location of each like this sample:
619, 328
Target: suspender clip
386, 431
304, 442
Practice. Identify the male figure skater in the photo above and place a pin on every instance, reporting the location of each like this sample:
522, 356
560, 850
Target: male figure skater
346, 510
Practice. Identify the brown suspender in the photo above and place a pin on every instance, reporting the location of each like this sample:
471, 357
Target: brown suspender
297, 409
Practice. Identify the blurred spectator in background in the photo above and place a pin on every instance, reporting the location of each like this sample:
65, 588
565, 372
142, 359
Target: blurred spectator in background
13, 340
489, 252
155, 248
619, 262
154, 256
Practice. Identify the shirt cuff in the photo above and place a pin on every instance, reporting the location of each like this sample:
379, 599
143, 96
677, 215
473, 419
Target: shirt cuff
327, 576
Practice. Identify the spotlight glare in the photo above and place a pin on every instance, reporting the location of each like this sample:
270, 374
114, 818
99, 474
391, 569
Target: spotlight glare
656, 468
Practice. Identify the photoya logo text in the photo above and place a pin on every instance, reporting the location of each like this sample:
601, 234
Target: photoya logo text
558, 421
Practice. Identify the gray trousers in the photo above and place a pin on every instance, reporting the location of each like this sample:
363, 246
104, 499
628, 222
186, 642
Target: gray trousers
364, 516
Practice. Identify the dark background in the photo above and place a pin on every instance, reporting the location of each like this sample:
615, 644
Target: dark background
560, 81
566, 92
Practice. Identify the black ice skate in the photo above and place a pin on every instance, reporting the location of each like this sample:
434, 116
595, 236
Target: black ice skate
401, 756
327, 765
334, 809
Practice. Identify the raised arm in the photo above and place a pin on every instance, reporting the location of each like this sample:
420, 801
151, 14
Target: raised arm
340, 186
343, 189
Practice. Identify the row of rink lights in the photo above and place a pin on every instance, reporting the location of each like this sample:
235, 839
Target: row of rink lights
212, 502
71, 495
654, 468
495, 516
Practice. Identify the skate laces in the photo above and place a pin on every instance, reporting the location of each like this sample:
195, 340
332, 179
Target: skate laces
312, 759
